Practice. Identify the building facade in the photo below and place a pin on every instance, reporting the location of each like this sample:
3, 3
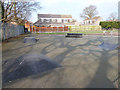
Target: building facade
92, 21
53, 20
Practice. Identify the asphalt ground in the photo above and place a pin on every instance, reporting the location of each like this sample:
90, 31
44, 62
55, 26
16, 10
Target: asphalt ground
84, 64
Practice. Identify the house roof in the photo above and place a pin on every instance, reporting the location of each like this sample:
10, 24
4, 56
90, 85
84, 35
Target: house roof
53, 16
92, 18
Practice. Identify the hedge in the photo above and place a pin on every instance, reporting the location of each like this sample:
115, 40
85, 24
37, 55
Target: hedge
110, 24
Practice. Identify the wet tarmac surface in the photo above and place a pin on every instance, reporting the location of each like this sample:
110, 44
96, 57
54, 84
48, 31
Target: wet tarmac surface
108, 46
30, 40
84, 64
27, 65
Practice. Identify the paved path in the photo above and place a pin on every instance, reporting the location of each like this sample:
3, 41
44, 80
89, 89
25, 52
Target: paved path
84, 64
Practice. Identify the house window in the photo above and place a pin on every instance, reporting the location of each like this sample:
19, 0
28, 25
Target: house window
44, 20
62, 20
58, 20
66, 20
47, 20
50, 20
54, 20
89, 22
41, 20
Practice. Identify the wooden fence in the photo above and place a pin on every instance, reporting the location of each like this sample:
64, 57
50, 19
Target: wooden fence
8, 30
65, 29
49, 29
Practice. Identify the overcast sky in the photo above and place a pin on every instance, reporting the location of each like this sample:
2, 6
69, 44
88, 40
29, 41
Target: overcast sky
75, 7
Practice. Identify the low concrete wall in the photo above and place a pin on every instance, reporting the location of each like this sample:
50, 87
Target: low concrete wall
8, 30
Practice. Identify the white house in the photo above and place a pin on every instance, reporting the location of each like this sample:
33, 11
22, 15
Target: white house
54, 20
92, 21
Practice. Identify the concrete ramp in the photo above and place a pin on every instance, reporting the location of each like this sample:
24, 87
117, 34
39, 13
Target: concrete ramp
30, 40
28, 65
108, 46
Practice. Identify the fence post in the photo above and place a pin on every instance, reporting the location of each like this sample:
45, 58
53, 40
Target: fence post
57, 28
68, 29
29, 27
35, 29
52, 29
32, 28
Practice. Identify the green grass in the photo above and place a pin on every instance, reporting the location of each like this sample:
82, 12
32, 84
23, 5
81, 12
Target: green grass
84, 32
92, 32
54, 33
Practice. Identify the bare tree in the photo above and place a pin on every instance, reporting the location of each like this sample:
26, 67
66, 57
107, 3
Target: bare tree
113, 17
1, 10
18, 11
89, 12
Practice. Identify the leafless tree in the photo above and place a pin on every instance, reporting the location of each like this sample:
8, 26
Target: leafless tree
1, 10
89, 12
19, 10
113, 17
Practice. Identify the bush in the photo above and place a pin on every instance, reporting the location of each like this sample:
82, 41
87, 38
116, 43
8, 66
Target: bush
110, 24
22, 24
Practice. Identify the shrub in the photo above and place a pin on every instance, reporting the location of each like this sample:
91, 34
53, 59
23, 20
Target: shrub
110, 24
22, 24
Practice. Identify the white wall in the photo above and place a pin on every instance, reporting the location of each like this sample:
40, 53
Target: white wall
58, 19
